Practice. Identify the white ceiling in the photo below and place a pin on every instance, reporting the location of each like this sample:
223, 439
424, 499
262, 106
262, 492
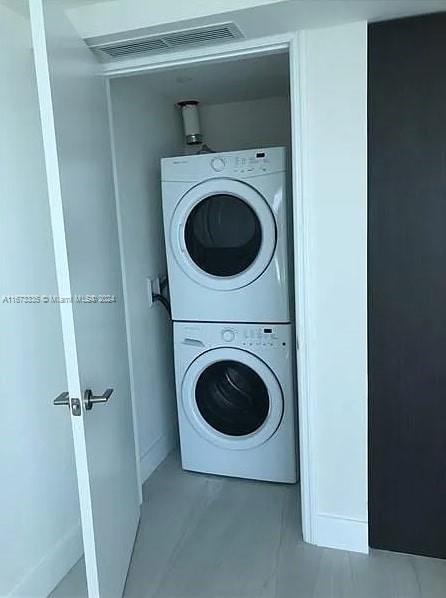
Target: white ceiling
231, 81
116, 17
110, 16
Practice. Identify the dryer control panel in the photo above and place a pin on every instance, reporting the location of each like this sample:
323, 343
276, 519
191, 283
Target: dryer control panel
252, 336
240, 165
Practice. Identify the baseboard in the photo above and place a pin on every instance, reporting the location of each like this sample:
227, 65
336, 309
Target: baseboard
342, 533
157, 452
44, 577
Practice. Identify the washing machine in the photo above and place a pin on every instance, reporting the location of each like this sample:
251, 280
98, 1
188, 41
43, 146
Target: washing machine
236, 403
225, 225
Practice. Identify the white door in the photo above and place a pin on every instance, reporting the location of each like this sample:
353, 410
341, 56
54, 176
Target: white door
80, 183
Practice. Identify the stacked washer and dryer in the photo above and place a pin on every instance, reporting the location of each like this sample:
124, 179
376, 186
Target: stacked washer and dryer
225, 224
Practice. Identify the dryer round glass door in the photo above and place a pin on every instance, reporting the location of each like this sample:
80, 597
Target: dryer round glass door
232, 398
223, 234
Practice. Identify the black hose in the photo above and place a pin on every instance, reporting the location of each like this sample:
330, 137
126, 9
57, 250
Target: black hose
163, 301
164, 281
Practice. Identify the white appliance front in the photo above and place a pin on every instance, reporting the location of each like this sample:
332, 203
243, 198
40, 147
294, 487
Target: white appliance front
226, 236
236, 404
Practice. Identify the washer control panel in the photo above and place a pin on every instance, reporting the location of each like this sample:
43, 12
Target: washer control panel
200, 337
251, 336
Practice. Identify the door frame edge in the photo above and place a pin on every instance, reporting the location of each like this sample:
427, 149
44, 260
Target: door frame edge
293, 44
118, 206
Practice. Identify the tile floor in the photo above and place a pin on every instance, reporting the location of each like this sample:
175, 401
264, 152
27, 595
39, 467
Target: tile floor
204, 536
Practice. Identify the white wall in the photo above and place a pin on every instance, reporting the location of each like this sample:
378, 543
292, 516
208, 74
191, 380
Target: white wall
334, 74
145, 129
119, 15
245, 125
39, 524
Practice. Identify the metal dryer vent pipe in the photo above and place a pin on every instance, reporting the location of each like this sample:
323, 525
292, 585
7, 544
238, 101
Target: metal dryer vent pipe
191, 121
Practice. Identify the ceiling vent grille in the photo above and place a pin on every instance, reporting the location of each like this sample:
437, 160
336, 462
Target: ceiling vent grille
174, 40
149, 45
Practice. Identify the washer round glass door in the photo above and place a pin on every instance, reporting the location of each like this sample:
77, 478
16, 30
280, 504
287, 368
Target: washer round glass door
223, 234
232, 398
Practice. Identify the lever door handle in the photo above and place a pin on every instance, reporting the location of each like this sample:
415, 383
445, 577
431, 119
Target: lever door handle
90, 399
62, 399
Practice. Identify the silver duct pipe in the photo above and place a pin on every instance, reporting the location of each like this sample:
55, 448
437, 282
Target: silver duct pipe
191, 121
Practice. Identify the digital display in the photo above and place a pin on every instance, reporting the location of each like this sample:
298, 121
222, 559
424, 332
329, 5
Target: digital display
268, 330
260, 155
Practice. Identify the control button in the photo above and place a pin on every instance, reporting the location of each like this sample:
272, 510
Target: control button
218, 164
228, 335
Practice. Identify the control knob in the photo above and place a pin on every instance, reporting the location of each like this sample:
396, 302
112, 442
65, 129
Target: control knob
218, 164
228, 335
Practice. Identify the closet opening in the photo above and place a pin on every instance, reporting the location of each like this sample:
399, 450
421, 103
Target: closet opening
218, 382
215, 386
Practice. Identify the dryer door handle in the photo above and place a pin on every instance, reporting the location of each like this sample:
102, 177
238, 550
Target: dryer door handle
193, 342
